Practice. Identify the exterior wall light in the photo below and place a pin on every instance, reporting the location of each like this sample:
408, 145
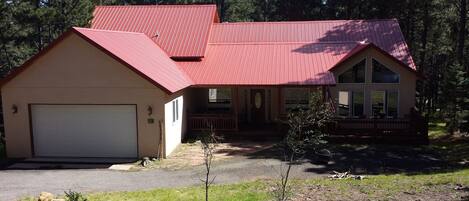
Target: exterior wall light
150, 110
14, 109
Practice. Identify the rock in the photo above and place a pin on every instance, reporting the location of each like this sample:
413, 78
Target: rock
145, 161
359, 177
45, 196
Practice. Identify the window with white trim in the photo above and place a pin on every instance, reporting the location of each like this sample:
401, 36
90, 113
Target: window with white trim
384, 104
175, 110
343, 108
351, 104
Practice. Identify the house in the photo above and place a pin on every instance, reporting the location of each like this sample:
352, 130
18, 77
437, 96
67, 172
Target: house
142, 77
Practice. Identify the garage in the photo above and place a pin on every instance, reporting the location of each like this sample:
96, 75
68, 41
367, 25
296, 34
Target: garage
107, 131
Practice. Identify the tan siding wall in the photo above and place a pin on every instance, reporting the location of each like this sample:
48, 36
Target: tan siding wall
75, 72
406, 87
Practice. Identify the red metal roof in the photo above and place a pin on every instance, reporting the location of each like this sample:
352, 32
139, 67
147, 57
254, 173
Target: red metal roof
386, 34
141, 54
183, 30
267, 64
252, 53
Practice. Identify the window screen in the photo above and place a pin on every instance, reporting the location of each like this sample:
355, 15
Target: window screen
343, 107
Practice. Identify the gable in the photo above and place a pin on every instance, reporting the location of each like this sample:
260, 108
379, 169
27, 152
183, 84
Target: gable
369, 54
74, 62
134, 50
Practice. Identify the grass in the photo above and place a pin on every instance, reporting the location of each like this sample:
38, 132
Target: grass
374, 187
249, 191
382, 186
454, 149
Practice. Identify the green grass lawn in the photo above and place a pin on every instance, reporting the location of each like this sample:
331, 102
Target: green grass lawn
454, 149
373, 187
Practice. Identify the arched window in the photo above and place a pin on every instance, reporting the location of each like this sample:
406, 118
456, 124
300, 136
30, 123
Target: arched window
381, 74
356, 74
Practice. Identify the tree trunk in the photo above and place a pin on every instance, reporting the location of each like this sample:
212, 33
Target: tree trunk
287, 174
424, 96
462, 31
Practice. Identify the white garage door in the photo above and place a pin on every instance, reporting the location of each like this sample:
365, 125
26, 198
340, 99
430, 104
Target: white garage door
84, 131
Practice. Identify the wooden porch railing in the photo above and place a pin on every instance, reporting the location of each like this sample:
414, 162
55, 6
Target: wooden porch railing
220, 122
414, 126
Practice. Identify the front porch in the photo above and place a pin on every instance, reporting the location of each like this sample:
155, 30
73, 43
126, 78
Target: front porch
257, 113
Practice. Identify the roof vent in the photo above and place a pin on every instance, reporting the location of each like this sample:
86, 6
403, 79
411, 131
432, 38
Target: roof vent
157, 34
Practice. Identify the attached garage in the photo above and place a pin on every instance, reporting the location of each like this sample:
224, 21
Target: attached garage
108, 131
83, 97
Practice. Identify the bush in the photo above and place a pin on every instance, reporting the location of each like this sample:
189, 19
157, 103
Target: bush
74, 196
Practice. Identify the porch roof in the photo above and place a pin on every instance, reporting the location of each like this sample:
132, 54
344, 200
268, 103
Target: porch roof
267, 63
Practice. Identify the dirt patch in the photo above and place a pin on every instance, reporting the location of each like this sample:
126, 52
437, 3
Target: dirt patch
191, 154
428, 193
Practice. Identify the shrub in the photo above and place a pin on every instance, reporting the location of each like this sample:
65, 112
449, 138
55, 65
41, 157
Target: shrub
74, 196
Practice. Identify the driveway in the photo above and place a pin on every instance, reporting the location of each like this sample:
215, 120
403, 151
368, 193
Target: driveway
359, 159
15, 184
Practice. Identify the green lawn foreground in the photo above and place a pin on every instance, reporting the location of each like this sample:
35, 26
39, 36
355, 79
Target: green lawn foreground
374, 187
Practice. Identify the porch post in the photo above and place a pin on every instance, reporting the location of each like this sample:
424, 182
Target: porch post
236, 107
280, 98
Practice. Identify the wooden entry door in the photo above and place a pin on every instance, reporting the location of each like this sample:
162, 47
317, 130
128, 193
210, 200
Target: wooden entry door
258, 105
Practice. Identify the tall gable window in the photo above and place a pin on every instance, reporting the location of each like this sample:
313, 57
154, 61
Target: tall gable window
356, 74
381, 74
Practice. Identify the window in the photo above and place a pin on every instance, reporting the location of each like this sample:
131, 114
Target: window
219, 95
392, 104
377, 103
344, 108
358, 101
175, 110
296, 97
356, 74
355, 99
384, 103
381, 74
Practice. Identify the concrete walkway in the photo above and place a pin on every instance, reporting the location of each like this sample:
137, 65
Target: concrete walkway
15, 184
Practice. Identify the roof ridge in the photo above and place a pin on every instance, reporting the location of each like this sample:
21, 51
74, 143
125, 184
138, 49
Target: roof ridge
284, 43
106, 30
159, 5
305, 22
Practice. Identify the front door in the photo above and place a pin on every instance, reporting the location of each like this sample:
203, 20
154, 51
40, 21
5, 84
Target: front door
258, 105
